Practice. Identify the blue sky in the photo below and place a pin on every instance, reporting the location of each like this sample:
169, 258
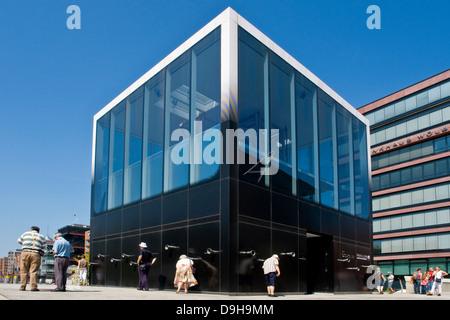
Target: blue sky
53, 80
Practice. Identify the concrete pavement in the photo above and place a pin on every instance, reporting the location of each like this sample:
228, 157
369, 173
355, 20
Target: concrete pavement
11, 292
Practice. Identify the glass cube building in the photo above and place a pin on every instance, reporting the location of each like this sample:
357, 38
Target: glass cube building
229, 150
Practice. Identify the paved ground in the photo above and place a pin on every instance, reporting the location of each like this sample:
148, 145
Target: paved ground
11, 292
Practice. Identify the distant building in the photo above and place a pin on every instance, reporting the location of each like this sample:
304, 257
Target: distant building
76, 235
410, 150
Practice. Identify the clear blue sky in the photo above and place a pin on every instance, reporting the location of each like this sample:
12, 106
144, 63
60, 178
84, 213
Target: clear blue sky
53, 80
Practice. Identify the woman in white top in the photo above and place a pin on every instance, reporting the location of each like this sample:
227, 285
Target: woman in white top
438, 276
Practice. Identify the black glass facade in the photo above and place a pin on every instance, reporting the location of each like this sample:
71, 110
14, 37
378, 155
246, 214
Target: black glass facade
228, 217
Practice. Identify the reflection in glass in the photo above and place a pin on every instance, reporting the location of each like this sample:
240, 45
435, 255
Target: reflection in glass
253, 96
178, 75
282, 118
361, 170
152, 171
327, 151
133, 147
101, 164
205, 110
116, 152
307, 150
345, 160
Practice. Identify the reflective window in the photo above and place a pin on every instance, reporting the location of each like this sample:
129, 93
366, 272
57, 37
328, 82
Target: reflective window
416, 123
253, 95
415, 243
116, 156
153, 136
282, 114
176, 151
361, 169
411, 197
205, 111
411, 103
327, 151
307, 150
133, 146
345, 160
101, 164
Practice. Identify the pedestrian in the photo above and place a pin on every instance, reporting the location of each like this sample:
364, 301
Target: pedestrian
61, 250
390, 279
417, 278
145, 261
424, 282
430, 280
82, 270
33, 246
382, 279
438, 276
184, 274
271, 272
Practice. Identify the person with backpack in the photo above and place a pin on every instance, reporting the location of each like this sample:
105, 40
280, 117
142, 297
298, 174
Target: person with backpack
417, 278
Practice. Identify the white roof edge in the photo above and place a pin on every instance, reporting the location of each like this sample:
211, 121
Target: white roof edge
229, 13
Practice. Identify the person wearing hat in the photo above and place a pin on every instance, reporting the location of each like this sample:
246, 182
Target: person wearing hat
61, 250
271, 272
145, 261
33, 246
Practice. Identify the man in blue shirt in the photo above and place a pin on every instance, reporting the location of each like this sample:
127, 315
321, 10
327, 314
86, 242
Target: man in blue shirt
61, 249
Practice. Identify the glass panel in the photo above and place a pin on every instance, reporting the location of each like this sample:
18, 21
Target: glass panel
253, 95
307, 151
101, 164
281, 108
345, 161
116, 153
176, 151
133, 147
152, 170
205, 113
327, 151
361, 170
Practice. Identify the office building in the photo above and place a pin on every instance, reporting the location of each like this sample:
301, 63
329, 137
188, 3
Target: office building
410, 151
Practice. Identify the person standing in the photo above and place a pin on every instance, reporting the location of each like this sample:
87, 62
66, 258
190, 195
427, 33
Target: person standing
390, 279
33, 246
430, 280
438, 276
417, 277
144, 262
184, 274
82, 270
424, 282
271, 272
61, 250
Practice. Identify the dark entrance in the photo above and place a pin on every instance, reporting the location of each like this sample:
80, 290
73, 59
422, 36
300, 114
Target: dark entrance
319, 263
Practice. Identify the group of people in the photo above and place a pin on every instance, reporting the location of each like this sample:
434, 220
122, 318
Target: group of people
184, 275
33, 248
428, 282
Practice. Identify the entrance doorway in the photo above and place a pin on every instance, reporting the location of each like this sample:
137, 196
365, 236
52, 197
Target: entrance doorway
319, 259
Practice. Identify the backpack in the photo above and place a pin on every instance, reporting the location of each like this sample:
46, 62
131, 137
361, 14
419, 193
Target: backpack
415, 276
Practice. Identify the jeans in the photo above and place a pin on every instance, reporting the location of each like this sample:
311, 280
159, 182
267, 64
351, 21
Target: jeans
417, 286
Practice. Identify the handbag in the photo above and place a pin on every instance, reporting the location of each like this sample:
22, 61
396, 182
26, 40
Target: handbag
143, 266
